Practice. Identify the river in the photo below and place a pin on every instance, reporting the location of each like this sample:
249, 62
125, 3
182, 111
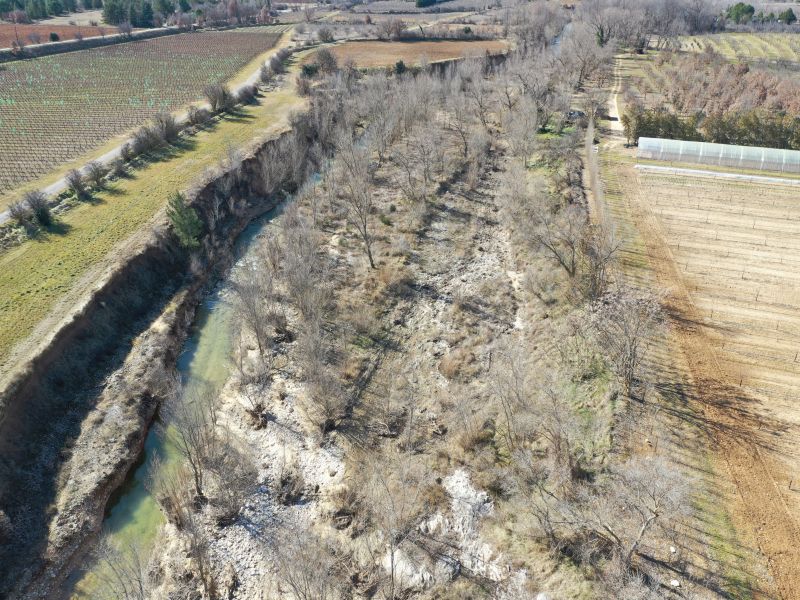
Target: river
133, 516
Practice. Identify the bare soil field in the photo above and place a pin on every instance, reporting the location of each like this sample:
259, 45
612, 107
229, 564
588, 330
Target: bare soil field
382, 54
737, 247
726, 254
415, 18
40, 33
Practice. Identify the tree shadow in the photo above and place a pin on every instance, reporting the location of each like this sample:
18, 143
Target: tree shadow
91, 198
37, 442
237, 115
112, 190
167, 152
43, 234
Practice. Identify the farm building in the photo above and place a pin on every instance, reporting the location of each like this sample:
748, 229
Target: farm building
724, 155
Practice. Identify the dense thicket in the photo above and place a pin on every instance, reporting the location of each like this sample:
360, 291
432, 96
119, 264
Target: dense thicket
746, 128
138, 13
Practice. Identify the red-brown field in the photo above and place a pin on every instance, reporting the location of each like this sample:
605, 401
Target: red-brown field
40, 34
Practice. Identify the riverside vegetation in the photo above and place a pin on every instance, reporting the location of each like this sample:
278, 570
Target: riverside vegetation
445, 383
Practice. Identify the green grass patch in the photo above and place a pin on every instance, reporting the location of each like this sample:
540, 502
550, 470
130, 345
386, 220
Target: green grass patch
40, 272
723, 546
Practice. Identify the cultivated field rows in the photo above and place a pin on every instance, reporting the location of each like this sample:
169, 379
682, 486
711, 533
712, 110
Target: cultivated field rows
766, 260
56, 108
738, 375
770, 46
733, 559
737, 248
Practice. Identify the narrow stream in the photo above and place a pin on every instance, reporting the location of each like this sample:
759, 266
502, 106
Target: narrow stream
133, 516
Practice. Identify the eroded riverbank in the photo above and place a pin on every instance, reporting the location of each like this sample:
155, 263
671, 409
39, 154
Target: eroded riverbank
134, 517
105, 427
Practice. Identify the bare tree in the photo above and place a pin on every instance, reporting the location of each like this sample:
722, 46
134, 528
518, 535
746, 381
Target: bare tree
459, 117
236, 477
535, 481
522, 125
123, 572
199, 550
192, 415
254, 291
479, 144
96, 172
594, 102
508, 86
581, 56
307, 566
76, 183
536, 26
536, 411
416, 157
326, 60
38, 206
639, 495
219, 97
166, 126
170, 486
603, 17
559, 234
623, 320
477, 90
357, 188
394, 494
599, 249
511, 384
19, 212
125, 29
304, 270
378, 107
327, 398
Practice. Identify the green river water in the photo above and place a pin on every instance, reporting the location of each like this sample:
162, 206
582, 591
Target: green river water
133, 516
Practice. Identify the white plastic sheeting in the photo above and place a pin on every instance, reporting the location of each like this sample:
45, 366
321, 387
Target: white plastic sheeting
724, 155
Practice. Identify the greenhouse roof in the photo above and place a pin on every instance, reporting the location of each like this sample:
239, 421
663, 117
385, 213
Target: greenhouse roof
742, 157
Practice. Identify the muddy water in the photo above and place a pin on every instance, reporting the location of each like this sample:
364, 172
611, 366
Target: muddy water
133, 516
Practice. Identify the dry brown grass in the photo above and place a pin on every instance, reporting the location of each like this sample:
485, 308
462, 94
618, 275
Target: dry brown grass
459, 364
